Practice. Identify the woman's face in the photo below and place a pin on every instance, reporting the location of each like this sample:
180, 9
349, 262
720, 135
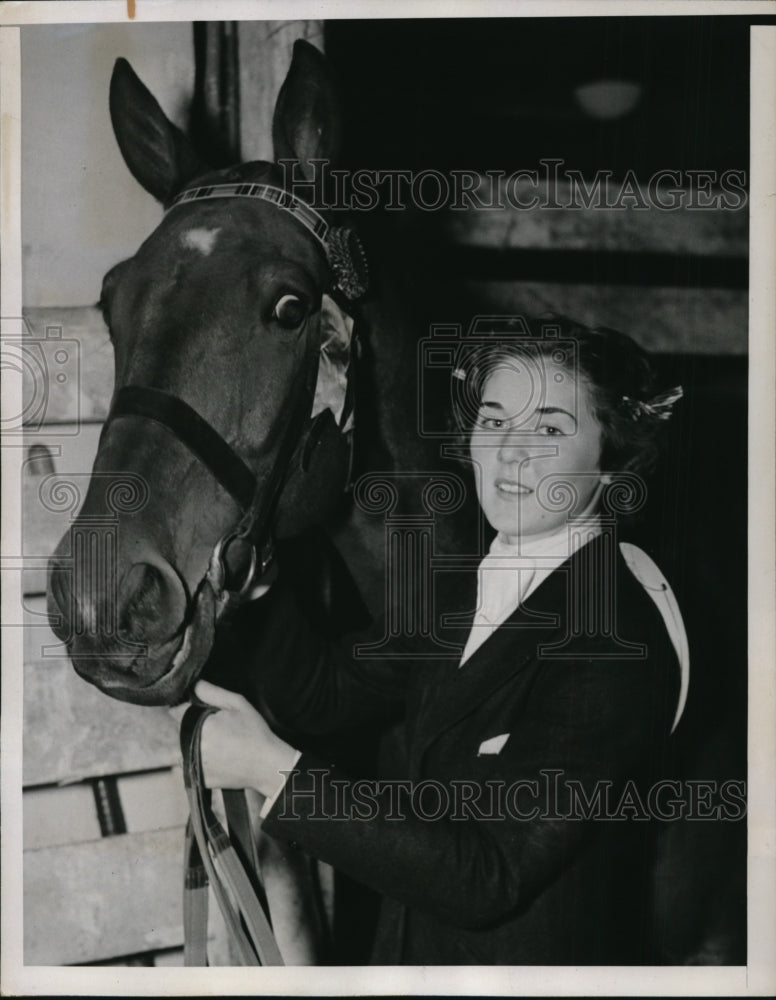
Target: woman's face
535, 430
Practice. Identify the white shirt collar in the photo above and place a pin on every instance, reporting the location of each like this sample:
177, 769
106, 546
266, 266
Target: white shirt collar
512, 570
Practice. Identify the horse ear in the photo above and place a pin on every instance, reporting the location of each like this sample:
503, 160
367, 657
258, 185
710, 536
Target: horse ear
157, 153
307, 123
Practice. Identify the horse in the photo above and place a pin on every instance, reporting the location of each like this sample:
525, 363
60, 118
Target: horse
228, 427
245, 336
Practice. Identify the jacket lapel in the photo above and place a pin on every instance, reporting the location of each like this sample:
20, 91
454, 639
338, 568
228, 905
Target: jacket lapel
452, 692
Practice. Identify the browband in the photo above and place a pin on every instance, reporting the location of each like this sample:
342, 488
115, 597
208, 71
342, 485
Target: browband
341, 245
305, 213
193, 431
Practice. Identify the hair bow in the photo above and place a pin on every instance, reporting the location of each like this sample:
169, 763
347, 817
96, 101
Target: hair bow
660, 407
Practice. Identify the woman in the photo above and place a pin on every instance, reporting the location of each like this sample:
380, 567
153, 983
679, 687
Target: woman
518, 831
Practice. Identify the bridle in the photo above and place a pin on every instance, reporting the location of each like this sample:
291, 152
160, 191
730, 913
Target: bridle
232, 871
257, 500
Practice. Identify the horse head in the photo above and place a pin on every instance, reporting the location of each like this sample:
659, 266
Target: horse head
216, 440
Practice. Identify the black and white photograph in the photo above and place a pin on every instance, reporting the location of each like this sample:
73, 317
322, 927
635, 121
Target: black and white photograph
388, 540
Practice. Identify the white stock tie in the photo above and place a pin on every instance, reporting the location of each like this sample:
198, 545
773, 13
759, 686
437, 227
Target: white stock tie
503, 581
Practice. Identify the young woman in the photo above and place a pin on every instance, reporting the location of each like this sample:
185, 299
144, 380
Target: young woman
515, 826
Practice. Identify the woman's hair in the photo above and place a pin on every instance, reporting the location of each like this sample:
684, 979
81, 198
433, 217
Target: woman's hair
617, 372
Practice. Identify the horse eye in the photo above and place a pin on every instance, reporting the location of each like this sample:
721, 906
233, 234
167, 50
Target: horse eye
289, 311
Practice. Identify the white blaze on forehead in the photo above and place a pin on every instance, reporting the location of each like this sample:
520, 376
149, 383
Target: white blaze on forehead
202, 240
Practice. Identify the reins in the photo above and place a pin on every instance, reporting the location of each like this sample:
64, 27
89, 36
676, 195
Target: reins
212, 860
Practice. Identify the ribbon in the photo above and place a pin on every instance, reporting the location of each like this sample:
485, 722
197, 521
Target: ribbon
332, 385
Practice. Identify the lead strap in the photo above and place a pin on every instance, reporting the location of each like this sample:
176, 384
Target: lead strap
212, 860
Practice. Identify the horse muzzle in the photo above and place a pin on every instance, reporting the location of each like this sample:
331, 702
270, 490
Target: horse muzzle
142, 641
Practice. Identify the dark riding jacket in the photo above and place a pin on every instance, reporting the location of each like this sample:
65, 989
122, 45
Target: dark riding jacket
521, 831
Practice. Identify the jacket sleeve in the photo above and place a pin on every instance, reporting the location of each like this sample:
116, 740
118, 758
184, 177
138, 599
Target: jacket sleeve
586, 721
307, 684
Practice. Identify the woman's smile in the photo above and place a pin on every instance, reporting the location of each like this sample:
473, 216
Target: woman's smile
510, 489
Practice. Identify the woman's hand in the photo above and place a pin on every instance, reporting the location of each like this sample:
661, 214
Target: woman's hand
239, 750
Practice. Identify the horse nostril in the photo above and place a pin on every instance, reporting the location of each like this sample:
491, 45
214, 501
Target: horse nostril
152, 604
